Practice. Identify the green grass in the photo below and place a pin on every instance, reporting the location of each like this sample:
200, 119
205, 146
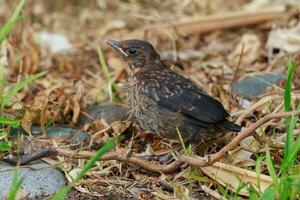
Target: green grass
11, 122
288, 86
111, 86
4, 32
187, 150
287, 105
258, 165
286, 179
63, 192
5, 144
7, 27
15, 186
16, 88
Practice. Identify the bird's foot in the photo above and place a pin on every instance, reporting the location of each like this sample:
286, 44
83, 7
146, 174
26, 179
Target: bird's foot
161, 159
165, 159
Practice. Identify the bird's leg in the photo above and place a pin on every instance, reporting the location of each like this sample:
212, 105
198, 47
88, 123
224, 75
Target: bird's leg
147, 154
166, 158
162, 157
129, 150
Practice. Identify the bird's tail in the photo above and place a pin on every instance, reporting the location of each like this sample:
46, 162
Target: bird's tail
230, 126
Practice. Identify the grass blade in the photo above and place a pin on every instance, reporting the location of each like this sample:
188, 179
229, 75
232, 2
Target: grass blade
182, 142
62, 193
270, 166
103, 64
106, 148
287, 105
4, 146
15, 186
112, 88
291, 152
268, 194
2, 63
15, 89
6, 28
13, 122
258, 170
4, 31
294, 152
253, 194
288, 87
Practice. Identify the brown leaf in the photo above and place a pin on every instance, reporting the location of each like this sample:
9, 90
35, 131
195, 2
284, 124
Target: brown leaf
232, 176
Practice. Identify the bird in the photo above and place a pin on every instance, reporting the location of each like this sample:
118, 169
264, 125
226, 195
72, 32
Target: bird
165, 102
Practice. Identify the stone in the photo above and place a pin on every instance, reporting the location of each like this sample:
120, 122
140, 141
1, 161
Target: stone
108, 112
253, 86
38, 178
55, 42
75, 135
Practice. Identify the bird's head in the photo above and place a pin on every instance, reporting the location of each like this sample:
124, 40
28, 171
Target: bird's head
137, 53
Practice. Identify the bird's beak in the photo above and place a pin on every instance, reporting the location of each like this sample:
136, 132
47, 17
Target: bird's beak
117, 46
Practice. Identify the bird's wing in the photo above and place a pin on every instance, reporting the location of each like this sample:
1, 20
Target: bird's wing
187, 99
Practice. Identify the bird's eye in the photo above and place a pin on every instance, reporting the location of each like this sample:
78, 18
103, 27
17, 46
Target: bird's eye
132, 51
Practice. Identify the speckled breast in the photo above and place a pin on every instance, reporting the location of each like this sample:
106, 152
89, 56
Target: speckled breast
150, 116
142, 108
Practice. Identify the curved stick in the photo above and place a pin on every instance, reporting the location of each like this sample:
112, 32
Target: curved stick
120, 156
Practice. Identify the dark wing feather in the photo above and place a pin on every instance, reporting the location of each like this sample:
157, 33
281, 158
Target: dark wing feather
187, 99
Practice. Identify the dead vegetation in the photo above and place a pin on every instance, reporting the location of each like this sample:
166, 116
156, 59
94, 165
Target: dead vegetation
213, 43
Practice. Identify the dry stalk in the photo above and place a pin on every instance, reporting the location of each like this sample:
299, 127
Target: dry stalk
196, 25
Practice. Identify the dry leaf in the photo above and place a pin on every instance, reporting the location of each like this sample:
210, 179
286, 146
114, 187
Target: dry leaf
242, 158
231, 176
182, 192
248, 48
163, 196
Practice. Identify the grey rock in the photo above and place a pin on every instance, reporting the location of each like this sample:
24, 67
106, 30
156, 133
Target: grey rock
253, 86
109, 112
38, 179
55, 42
75, 135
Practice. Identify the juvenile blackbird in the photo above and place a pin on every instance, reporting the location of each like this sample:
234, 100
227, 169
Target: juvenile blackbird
162, 100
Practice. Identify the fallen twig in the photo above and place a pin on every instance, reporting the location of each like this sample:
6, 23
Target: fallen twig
25, 159
122, 156
208, 23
